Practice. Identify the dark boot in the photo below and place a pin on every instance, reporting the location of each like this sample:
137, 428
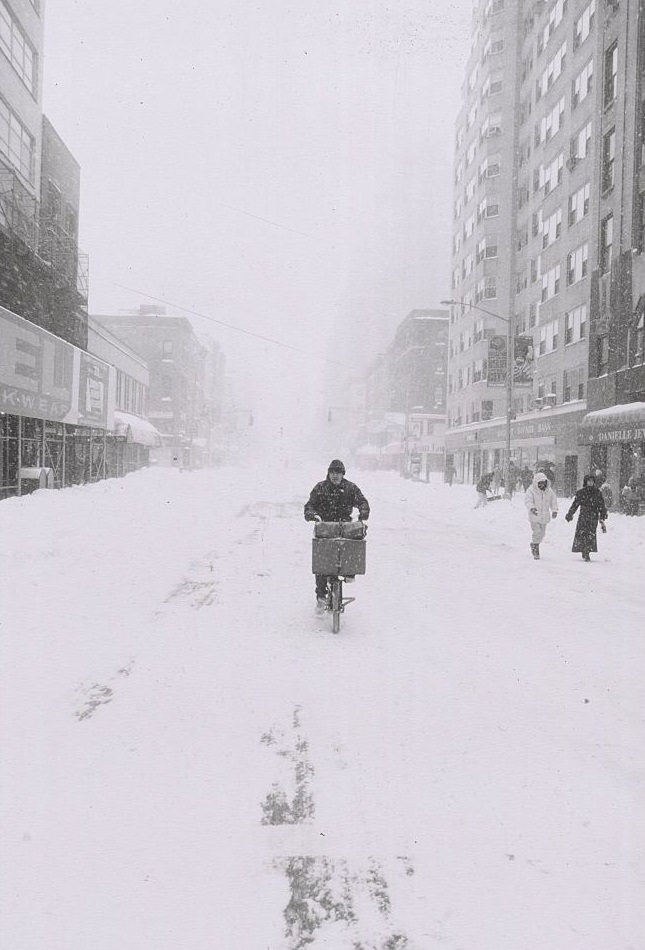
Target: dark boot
535, 551
585, 556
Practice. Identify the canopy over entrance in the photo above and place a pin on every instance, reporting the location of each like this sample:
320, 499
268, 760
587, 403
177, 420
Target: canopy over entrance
625, 423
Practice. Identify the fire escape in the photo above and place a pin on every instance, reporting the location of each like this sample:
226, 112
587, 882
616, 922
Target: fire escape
18, 212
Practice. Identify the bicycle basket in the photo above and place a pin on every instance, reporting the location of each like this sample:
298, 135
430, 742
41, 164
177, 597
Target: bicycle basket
352, 530
337, 556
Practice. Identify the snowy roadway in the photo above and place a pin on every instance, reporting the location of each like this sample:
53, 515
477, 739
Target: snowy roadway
191, 760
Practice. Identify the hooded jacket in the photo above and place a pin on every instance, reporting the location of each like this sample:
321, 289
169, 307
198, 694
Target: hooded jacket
336, 502
544, 501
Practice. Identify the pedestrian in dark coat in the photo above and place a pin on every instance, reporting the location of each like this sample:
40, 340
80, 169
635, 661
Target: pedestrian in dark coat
592, 510
483, 487
334, 499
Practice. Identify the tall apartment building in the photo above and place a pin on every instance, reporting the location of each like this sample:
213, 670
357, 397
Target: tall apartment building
538, 194
614, 429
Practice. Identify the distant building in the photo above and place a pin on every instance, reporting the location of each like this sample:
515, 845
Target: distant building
186, 379
133, 437
405, 398
418, 370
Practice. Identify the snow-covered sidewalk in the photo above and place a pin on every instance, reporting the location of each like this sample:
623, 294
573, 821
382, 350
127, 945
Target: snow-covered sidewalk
190, 759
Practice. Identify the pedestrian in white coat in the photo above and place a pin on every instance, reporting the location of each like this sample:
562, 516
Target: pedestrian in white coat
542, 505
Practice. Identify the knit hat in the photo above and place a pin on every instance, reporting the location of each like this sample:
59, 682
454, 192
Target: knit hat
336, 466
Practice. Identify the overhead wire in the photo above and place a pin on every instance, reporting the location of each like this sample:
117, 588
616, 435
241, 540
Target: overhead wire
230, 326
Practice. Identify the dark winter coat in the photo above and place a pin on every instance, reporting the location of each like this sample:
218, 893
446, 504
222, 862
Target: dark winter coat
336, 502
484, 483
592, 509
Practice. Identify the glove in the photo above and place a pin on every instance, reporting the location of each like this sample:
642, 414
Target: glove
554, 514
603, 527
534, 511
568, 517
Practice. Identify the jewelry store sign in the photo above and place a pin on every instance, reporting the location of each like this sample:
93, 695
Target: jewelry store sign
44, 377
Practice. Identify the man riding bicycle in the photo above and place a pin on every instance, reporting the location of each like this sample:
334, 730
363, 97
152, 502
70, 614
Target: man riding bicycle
334, 499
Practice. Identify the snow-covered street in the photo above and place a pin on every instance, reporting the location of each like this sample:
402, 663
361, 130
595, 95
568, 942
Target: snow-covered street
191, 760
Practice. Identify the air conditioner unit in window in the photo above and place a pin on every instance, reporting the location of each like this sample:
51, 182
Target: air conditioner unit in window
550, 399
539, 402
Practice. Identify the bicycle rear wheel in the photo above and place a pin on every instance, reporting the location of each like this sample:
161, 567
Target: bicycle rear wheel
336, 603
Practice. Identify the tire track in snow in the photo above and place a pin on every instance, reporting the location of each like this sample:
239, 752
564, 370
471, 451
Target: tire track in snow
328, 895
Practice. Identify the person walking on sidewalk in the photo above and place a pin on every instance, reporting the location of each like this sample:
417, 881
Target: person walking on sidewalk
542, 506
592, 507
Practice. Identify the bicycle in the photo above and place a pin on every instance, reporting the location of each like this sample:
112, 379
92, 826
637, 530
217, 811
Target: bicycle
338, 552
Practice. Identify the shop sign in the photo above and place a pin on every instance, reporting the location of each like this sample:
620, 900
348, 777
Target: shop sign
44, 377
532, 428
633, 434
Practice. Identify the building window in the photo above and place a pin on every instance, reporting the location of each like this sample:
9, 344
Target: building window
532, 315
638, 341
551, 175
552, 228
608, 159
639, 237
487, 409
582, 373
611, 75
582, 85
166, 387
17, 48
580, 145
16, 144
575, 324
567, 381
579, 204
166, 350
606, 242
584, 24
479, 370
548, 338
550, 283
602, 355
577, 264
573, 384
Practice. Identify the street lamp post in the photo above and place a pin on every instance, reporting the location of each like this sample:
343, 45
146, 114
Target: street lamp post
509, 378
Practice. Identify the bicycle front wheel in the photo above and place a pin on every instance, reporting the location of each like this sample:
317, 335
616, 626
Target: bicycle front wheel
336, 603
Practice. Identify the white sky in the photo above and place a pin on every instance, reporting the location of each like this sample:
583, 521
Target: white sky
332, 122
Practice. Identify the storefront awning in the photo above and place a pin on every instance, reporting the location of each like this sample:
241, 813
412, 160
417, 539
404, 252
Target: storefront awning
625, 423
135, 429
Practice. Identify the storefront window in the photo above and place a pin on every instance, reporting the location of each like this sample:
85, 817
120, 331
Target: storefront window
32, 443
8, 455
